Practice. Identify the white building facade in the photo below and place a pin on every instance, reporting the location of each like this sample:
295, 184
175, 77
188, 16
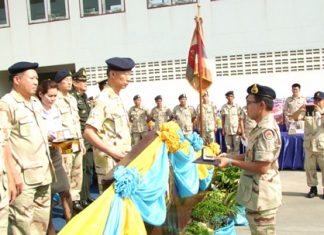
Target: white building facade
272, 42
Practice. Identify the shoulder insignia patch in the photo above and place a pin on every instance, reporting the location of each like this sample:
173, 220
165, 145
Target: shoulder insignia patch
268, 134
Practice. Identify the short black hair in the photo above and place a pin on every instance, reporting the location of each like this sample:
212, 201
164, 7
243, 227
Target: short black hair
295, 85
268, 102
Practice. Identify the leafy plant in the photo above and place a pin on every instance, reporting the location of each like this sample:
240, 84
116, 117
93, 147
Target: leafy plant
215, 209
226, 179
196, 227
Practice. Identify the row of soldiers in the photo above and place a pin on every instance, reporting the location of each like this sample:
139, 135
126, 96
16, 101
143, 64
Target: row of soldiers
235, 122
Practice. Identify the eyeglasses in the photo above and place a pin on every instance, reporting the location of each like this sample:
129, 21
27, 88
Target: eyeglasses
251, 102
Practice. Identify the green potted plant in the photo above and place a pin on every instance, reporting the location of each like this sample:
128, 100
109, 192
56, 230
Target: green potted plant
215, 211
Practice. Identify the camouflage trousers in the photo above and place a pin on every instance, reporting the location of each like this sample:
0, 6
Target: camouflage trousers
30, 212
232, 143
4, 204
103, 165
310, 165
262, 222
137, 136
208, 136
72, 163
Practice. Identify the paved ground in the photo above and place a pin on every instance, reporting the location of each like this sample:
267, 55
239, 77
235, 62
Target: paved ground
298, 215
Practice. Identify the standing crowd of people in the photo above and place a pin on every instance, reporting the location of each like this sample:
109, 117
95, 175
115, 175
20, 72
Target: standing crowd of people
54, 138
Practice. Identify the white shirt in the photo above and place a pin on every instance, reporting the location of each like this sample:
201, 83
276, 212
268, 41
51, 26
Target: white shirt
53, 120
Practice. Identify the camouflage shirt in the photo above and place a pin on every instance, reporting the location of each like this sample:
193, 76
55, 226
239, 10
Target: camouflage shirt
261, 192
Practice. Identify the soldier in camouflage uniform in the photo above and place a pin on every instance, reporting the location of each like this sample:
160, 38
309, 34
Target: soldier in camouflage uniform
107, 128
184, 115
79, 93
313, 141
138, 117
259, 188
209, 119
7, 181
230, 123
72, 160
292, 104
246, 123
4, 201
160, 113
20, 113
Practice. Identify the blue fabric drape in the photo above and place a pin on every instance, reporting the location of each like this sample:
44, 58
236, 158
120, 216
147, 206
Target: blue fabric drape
203, 184
146, 192
185, 172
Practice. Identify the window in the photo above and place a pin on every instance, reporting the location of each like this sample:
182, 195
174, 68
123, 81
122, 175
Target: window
99, 7
4, 19
162, 3
47, 10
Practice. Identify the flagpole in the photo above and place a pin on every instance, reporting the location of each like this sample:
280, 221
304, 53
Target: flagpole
198, 22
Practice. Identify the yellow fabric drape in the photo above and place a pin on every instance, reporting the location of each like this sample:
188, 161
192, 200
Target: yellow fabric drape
92, 220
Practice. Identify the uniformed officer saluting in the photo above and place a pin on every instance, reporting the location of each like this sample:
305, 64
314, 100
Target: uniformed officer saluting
107, 128
259, 187
21, 113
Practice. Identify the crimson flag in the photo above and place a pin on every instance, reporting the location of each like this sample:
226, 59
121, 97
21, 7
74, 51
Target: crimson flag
197, 66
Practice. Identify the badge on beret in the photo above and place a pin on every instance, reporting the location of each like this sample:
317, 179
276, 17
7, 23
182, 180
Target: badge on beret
268, 135
317, 94
255, 89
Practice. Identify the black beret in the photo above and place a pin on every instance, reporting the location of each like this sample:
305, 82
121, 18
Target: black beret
158, 97
61, 74
104, 80
120, 64
182, 96
229, 93
136, 97
263, 91
80, 75
319, 95
21, 67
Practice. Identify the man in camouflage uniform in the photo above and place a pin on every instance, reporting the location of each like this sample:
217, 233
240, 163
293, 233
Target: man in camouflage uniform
79, 93
259, 188
107, 128
7, 180
184, 115
230, 123
313, 141
160, 113
209, 119
138, 117
292, 104
20, 114
72, 159
246, 123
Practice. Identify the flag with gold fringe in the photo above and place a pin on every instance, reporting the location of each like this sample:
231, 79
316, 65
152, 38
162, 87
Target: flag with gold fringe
198, 66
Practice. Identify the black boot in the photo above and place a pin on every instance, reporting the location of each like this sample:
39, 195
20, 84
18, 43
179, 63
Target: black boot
77, 207
312, 192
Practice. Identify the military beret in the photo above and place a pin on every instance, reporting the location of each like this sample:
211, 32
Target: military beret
120, 64
136, 97
319, 95
61, 74
182, 96
263, 91
80, 75
158, 97
229, 93
21, 67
